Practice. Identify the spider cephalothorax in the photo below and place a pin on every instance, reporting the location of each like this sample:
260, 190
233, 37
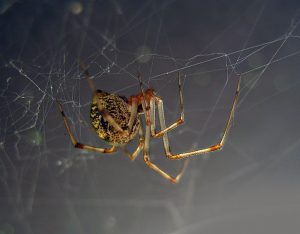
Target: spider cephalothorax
116, 120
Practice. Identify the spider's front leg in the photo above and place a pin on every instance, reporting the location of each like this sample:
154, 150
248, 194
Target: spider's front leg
157, 101
214, 147
154, 167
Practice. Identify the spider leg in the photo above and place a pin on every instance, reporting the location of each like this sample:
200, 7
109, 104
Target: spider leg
133, 112
161, 113
154, 167
133, 155
80, 145
215, 147
149, 111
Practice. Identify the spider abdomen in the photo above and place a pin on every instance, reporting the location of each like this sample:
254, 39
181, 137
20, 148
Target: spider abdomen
117, 107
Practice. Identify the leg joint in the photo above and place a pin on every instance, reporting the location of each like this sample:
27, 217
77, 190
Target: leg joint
180, 121
78, 145
217, 147
147, 161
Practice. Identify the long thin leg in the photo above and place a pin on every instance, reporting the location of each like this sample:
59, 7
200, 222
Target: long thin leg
133, 155
133, 112
174, 125
215, 147
80, 145
154, 167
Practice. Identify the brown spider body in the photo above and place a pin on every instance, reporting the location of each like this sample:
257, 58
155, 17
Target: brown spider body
117, 120
119, 109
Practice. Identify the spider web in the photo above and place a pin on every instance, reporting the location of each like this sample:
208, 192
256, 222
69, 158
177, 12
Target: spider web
210, 44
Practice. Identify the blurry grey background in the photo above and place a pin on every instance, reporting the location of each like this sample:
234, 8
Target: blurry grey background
251, 186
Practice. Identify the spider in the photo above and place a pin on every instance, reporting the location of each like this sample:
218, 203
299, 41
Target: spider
117, 120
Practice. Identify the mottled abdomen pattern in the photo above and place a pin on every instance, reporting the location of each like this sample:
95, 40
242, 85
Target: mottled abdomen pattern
117, 107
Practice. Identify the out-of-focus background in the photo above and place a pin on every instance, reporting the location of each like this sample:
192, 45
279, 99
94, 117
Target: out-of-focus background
250, 186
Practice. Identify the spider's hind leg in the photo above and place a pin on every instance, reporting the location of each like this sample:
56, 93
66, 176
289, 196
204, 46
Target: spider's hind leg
139, 148
154, 167
164, 174
80, 145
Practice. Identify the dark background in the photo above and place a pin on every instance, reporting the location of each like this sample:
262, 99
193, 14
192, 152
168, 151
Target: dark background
251, 186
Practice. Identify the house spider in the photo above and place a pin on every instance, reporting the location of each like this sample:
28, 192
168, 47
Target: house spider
117, 121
